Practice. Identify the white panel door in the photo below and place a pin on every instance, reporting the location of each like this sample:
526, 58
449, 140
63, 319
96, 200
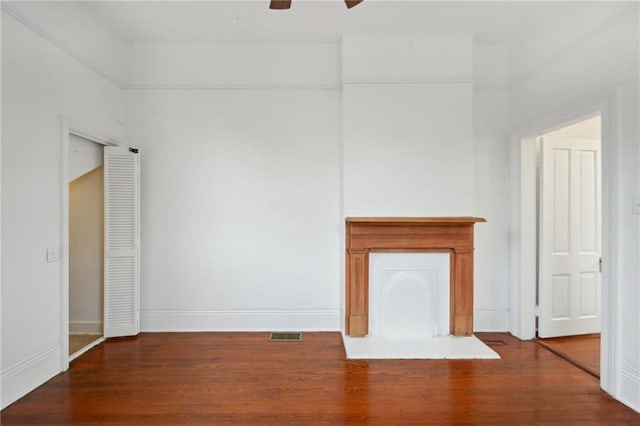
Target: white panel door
570, 222
122, 242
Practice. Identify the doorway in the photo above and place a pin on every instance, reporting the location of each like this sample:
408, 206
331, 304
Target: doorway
85, 244
524, 271
121, 231
569, 224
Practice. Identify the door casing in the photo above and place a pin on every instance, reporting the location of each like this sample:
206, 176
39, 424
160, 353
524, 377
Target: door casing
523, 219
69, 126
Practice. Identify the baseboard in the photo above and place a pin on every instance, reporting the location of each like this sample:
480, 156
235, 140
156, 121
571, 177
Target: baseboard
89, 327
26, 375
490, 320
279, 320
629, 389
255, 320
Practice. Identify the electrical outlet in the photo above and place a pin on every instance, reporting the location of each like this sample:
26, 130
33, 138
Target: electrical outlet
635, 209
52, 254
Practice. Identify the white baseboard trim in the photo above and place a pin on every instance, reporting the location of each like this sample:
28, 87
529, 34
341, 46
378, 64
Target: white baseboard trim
629, 389
24, 376
81, 327
254, 320
491, 320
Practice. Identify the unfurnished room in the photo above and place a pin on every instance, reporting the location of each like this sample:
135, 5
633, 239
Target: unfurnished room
320, 212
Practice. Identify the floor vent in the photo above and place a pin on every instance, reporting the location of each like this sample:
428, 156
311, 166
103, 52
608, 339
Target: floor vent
285, 337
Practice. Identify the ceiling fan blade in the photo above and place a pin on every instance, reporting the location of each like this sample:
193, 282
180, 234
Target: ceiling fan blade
280, 4
352, 3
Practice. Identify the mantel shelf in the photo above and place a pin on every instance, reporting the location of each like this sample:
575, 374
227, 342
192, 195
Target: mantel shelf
416, 220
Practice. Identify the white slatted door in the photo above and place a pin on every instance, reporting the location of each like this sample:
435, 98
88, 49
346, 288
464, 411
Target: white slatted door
122, 242
570, 222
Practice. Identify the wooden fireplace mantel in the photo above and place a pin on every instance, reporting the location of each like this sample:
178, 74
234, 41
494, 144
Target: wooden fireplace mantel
409, 234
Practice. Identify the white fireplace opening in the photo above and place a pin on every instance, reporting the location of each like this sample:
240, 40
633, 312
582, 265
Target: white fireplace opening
409, 295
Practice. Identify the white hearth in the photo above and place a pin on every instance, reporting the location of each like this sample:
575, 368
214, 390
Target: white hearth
409, 311
439, 347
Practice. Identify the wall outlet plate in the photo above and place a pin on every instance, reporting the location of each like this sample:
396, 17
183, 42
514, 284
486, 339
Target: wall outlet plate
635, 209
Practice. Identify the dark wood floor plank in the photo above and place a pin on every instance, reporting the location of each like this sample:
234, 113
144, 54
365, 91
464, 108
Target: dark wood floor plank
583, 351
241, 378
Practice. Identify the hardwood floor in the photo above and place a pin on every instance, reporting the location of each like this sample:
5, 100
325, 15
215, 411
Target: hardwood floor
582, 351
241, 378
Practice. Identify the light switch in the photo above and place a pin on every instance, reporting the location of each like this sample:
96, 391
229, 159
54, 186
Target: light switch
52, 254
635, 209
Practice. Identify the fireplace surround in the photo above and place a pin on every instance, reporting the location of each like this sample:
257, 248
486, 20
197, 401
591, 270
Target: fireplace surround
409, 234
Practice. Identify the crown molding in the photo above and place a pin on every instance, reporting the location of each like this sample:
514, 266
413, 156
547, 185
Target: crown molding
586, 39
407, 82
60, 45
481, 88
235, 87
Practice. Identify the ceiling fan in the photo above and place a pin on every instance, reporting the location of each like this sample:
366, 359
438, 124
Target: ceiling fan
286, 4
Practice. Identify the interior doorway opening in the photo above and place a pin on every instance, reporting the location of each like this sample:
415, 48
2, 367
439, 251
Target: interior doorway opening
606, 105
85, 244
569, 242
120, 226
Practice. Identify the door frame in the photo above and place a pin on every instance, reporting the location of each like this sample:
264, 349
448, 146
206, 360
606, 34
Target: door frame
523, 219
69, 126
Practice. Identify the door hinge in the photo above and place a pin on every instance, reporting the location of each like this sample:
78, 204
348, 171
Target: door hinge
600, 264
536, 311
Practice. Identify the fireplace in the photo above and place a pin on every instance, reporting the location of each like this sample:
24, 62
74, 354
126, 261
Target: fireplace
453, 235
408, 295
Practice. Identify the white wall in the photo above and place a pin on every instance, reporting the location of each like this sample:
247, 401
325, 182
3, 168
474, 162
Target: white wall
225, 65
40, 82
407, 135
587, 129
491, 188
425, 134
194, 130
240, 213
240, 146
86, 251
602, 63
84, 155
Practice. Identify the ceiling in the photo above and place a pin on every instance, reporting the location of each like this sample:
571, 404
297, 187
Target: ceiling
309, 21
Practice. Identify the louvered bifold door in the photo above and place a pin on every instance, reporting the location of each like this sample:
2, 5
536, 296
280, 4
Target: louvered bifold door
122, 247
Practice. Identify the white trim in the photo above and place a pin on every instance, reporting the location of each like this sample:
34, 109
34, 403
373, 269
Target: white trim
581, 42
237, 87
69, 126
341, 277
480, 88
84, 327
407, 82
522, 320
26, 375
241, 320
630, 387
528, 238
490, 319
